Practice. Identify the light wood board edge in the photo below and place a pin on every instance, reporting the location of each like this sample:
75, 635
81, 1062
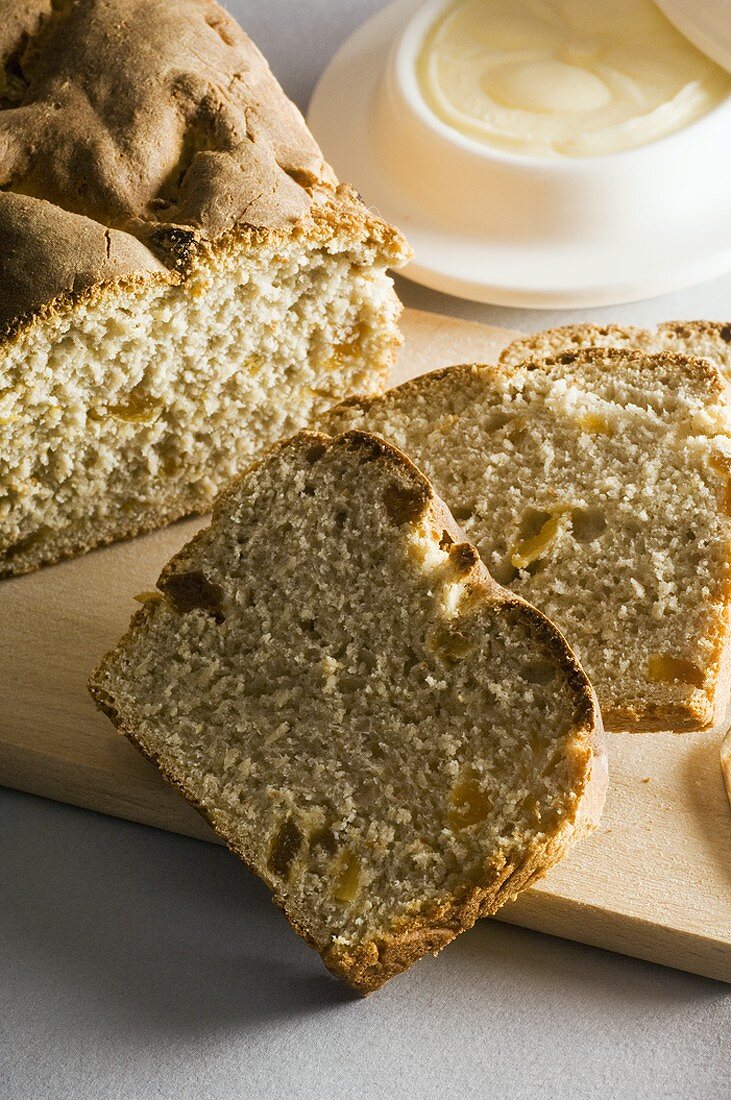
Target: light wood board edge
540, 909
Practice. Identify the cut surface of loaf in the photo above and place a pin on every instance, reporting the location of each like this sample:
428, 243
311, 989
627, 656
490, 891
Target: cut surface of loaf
705, 339
596, 485
393, 743
182, 278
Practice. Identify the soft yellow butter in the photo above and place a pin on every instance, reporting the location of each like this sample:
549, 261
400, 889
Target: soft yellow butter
564, 77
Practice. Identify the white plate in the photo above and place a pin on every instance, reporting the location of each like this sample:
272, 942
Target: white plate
707, 24
587, 232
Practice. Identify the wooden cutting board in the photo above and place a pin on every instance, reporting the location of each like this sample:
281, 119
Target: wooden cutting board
654, 881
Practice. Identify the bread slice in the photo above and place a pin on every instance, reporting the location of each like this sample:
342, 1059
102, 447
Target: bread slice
596, 485
705, 339
393, 743
182, 279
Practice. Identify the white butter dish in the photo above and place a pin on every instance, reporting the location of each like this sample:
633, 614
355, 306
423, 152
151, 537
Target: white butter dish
495, 226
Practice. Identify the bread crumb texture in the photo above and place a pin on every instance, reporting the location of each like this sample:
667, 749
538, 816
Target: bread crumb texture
395, 745
596, 485
182, 278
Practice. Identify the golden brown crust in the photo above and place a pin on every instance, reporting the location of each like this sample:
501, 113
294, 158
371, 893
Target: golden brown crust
49, 254
690, 330
366, 966
133, 131
67, 284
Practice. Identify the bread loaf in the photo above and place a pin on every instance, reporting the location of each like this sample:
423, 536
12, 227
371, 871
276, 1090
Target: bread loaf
182, 278
392, 742
596, 485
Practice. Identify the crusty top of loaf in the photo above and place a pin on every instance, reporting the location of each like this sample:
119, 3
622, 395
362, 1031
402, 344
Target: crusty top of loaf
127, 125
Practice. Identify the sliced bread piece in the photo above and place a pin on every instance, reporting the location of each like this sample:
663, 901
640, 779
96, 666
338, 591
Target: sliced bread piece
183, 281
596, 485
392, 742
705, 339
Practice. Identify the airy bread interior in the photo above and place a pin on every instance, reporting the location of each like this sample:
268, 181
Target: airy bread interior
596, 485
389, 740
135, 405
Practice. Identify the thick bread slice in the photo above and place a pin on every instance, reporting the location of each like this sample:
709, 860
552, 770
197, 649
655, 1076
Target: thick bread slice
596, 485
392, 742
707, 339
183, 281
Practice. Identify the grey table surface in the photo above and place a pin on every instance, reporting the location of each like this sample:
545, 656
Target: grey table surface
137, 964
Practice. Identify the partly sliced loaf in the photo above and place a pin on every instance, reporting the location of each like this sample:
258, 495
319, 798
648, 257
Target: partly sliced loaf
393, 743
182, 279
596, 485
707, 339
